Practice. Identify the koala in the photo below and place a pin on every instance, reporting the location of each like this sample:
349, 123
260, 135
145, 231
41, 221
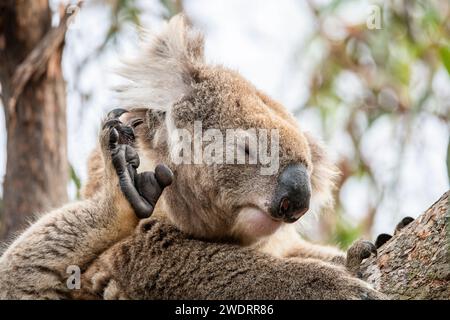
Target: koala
35, 265
170, 87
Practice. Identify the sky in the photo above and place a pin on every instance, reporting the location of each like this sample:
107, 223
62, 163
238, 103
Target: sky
260, 39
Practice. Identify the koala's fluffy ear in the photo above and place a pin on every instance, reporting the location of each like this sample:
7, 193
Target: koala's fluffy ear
323, 175
164, 68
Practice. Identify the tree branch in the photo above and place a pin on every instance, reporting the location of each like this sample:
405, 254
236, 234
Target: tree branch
415, 263
35, 62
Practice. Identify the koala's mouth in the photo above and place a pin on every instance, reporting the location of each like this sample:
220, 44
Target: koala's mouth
285, 219
257, 208
256, 222
274, 218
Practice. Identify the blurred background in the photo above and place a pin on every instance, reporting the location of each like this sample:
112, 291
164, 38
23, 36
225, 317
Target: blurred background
371, 78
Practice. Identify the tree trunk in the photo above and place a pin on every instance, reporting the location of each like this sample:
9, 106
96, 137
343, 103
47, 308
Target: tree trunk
415, 263
33, 96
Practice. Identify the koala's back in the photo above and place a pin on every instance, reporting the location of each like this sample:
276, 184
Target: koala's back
159, 262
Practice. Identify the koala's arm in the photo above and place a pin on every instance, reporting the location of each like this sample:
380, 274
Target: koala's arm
287, 243
35, 264
96, 175
160, 262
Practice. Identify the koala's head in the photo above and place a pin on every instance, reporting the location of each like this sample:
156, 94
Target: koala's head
242, 165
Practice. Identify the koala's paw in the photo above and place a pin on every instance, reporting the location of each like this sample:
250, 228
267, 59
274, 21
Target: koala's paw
384, 237
403, 223
142, 190
358, 251
125, 131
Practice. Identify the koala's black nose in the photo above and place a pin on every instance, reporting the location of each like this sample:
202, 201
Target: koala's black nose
292, 195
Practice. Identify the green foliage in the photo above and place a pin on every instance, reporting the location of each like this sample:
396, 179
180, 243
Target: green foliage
345, 233
382, 60
445, 56
75, 179
173, 7
123, 12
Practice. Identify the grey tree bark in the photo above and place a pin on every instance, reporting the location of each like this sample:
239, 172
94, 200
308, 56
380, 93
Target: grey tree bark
33, 96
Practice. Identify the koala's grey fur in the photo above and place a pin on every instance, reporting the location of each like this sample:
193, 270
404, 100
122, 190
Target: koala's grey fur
160, 262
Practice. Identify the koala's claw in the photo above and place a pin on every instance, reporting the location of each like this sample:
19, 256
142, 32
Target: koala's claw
111, 123
141, 190
126, 132
116, 113
384, 237
360, 250
403, 223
